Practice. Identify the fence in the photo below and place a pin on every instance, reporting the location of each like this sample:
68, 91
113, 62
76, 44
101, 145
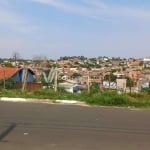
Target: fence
29, 86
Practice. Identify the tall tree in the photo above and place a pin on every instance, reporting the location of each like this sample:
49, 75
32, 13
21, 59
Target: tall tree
130, 83
15, 56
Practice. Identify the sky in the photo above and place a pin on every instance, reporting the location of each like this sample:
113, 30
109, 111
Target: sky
90, 28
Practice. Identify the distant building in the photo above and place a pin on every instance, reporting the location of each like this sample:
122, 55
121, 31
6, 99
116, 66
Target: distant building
71, 87
146, 62
121, 85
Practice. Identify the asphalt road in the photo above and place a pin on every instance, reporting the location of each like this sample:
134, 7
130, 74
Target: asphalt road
26, 126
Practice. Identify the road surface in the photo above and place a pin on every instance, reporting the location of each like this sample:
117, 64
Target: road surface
31, 126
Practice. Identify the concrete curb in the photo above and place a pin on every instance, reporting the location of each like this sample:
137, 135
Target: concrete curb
59, 102
8, 99
66, 101
46, 101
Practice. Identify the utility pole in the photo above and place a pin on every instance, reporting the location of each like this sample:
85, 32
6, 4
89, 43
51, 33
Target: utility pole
25, 79
4, 80
101, 81
88, 83
109, 80
55, 82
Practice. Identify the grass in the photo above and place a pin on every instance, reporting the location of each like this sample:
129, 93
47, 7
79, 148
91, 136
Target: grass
106, 98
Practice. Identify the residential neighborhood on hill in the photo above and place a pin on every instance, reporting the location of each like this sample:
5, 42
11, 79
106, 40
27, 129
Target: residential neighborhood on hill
79, 72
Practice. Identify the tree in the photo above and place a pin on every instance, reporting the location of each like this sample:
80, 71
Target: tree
130, 83
141, 63
75, 75
110, 77
8, 64
95, 88
39, 58
7, 84
15, 56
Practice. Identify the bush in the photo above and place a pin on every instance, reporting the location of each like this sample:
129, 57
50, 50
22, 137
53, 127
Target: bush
95, 88
146, 90
108, 98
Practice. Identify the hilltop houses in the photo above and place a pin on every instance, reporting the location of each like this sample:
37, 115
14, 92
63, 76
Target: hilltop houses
83, 70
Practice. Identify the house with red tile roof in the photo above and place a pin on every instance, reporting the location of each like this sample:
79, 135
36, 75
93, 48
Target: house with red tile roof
17, 74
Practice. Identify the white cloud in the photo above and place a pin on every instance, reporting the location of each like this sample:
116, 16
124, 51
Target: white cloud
98, 9
11, 19
65, 6
8, 17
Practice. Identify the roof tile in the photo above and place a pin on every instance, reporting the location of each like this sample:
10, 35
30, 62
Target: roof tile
7, 72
